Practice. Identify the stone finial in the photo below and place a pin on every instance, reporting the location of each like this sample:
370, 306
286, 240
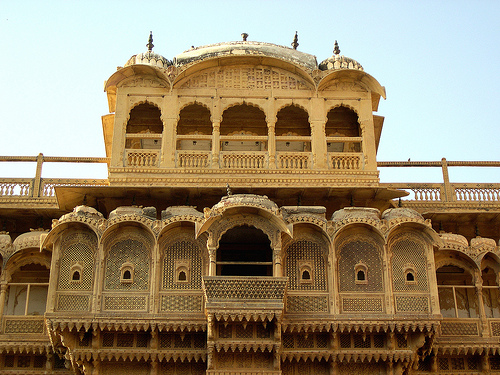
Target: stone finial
336, 49
295, 42
244, 36
229, 191
150, 44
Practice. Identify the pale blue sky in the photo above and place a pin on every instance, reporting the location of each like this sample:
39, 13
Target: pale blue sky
437, 59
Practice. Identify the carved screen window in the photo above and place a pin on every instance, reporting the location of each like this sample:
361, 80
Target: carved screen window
360, 256
76, 271
305, 257
182, 265
409, 263
127, 264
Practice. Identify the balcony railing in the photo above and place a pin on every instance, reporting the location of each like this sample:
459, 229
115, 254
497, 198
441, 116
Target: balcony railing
244, 160
142, 158
345, 160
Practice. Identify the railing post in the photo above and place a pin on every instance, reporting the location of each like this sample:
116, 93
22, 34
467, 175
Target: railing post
38, 176
448, 192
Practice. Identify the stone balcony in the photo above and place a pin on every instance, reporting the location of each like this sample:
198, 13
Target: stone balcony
249, 295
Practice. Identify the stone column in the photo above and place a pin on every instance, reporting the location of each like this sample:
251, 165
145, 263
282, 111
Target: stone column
170, 114
318, 144
485, 332
3, 294
216, 143
271, 143
212, 254
277, 266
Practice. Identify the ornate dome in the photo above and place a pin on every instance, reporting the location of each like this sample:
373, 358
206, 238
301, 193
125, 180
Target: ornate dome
149, 57
338, 61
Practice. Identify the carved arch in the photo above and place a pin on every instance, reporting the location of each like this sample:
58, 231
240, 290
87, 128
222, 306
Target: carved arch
16, 261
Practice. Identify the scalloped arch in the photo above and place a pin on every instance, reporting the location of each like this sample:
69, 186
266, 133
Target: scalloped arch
239, 102
357, 75
292, 104
322, 240
41, 258
144, 101
333, 106
351, 226
131, 223
408, 227
462, 260
60, 227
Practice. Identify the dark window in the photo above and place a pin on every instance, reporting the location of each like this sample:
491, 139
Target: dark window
361, 276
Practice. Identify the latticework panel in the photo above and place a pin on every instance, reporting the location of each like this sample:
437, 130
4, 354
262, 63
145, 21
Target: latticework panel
183, 368
24, 362
247, 78
459, 329
358, 341
77, 248
128, 251
77, 302
244, 360
464, 364
24, 326
186, 341
307, 304
125, 303
495, 328
302, 341
409, 252
182, 303
360, 368
305, 251
362, 304
307, 367
125, 368
240, 331
361, 250
178, 251
415, 304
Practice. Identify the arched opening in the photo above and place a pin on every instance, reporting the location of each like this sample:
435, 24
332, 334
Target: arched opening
143, 136
143, 124
491, 295
360, 276
242, 123
410, 277
182, 276
76, 276
342, 122
306, 275
194, 121
27, 293
127, 275
457, 296
292, 121
244, 251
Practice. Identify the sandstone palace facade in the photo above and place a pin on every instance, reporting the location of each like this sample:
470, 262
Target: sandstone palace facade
243, 229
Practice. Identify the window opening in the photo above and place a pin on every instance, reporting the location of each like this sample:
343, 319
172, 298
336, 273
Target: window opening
144, 127
243, 128
127, 273
342, 122
457, 295
306, 275
244, 251
182, 276
27, 293
491, 295
410, 277
361, 275
293, 121
76, 276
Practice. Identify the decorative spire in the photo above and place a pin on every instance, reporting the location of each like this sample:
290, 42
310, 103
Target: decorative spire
244, 36
336, 49
228, 189
150, 44
295, 42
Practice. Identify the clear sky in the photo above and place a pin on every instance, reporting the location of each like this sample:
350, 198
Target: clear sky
438, 61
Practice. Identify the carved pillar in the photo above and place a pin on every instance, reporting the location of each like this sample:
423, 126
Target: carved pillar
154, 368
97, 367
3, 294
210, 356
216, 144
389, 293
333, 368
271, 143
318, 144
170, 116
277, 266
212, 254
434, 364
480, 300
485, 364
